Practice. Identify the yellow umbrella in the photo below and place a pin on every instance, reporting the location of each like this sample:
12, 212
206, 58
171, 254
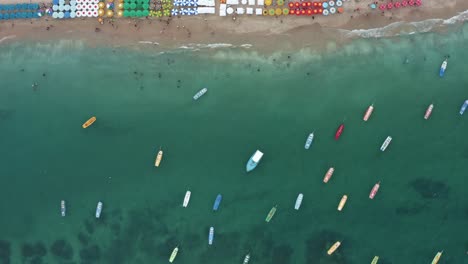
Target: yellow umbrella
265, 12
101, 5
101, 12
121, 6
278, 12
120, 13
271, 12
285, 11
268, 2
110, 13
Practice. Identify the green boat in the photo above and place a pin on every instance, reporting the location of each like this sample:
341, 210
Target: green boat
271, 214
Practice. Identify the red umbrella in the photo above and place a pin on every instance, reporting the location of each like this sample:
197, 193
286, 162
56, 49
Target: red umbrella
397, 5
309, 12
382, 7
309, 3
404, 3
389, 5
291, 4
320, 4
296, 4
320, 10
303, 12
315, 3
304, 4
418, 2
298, 12
411, 2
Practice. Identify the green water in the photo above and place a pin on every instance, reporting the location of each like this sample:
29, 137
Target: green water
253, 102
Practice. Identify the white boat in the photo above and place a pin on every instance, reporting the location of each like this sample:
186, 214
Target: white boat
298, 201
98, 209
211, 236
309, 140
63, 208
463, 108
186, 198
200, 93
174, 254
246, 259
386, 143
443, 67
254, 160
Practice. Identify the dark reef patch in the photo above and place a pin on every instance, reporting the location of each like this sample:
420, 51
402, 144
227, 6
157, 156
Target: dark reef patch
282, 254
410, 209
90, 254
430, 189
5, 252
62, 249
84, 239
36, 250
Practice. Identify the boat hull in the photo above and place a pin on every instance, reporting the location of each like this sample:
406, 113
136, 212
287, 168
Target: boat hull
339, 131
98, 210
186, 199
374, 190
328, 175
385, 144
428, 111
368, 113
211, 236
253, 161
342, 202
443, 67
89, 122
298, 203
309, 141
158, 158
463, 107
217, 202
334, 248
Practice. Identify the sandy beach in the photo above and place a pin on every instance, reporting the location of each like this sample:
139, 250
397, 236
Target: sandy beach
264, 32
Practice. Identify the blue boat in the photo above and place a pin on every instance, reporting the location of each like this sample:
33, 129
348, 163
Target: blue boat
254, 160
463, 108
443, 67
211, 236
217, 202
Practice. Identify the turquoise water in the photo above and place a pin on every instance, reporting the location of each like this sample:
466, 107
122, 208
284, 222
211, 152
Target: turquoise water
143, 100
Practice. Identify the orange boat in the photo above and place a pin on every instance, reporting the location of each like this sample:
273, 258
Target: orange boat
334, 247
342, 202
328, 174
368, 112
158, 158
89, 122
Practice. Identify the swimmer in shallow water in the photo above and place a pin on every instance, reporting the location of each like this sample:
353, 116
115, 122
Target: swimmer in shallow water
406, 61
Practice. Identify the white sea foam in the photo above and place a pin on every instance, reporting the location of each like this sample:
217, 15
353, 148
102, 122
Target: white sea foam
7, 37
194, 46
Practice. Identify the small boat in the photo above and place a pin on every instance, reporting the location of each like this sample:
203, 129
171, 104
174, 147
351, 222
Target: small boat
186, 199
386, 143
211, 236
428, 111
246, 259
309, 140
98, 209
368, 112
254, 160
271, 214
328, 175
174, 254
443, 67
339, 131
463, 108
63, 208
334, 247
374, 190
200, 93
89, 122
437, 257
217, 202
158, 158
298, 201
342, 202
375, 260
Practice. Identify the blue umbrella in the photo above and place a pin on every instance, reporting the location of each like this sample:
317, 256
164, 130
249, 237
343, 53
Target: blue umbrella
18, 6
174, 12
24, 6
193, 3
29, 15
192, 11
183, 11
185, 3
1, 16
12, 16
1, 7
6, 16
55, 2
176, 3
67, 15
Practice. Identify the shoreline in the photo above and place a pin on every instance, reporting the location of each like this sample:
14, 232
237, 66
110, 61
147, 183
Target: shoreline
264, 34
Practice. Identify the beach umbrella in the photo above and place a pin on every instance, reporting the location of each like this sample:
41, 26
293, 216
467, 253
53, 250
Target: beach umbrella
278, 11
302, 12
73, 2
6, 16
145, 13
61, 7
55, 2
404, 3
132, 13
280, 2
126, 5
125, 13
1, 8
325, 12
72, 14
79, 7
55, 15
339, 3
61, 2
66, 15
325, 5
13, 16
138, 13
192, 12
55, 7
309, 11
49, 11
73, 8
373, 6
110, 13
174, 12
285, 11
411, 2
100, 12
292, 11
332, 10
304, 4
340, 10
389, 5
120, 5
268, 2
67, 7
193, 3
271, 12
132, 5
61, 14
1, 16
418, 2
145, 6
101, 5
397, 4
291, 4
331, 3
382, 7
78, 13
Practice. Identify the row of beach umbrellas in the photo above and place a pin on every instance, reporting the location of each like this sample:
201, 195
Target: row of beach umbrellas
19, 15
184, 12
128, 6
65, 14
64, 7
87, 2
137, 1
19, 7
403, 3
307, 4
136, 13
185, 3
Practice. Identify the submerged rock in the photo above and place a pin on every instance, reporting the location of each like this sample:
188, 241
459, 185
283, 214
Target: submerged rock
5, 251
62, 249
430, 189
90, 254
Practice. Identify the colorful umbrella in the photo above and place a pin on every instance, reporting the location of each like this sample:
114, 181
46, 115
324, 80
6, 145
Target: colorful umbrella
389, 5
418, 2
397, 4
382, 7
285, 11
325, 12
278, 11
404, 3
411, 2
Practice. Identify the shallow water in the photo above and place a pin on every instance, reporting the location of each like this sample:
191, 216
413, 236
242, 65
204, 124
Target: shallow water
253, 102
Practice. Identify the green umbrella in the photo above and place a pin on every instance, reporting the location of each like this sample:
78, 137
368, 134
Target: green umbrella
166, 12
145, 13
125, 13
126, 5
132, 5
145, 6
138, 13
131, 13
285, 11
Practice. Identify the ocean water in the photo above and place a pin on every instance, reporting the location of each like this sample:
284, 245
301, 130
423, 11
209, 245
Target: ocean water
143, 101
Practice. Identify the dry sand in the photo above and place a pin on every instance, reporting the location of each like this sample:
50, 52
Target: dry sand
264, 33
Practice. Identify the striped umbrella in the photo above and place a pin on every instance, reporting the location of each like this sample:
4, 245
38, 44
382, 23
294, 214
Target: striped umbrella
174, 12
193, 3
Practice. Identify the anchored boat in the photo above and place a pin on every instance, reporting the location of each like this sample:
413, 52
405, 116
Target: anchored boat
309, 140
174, 254
386, 143
334, 247
200, 93
443, 67
158, 158
375, 260
437, 257
298, 201
63, 208
339, 131
98, 209
246, 259
328, 175
217, 202
463, 108
186, 199
211, 236
368, 113
271, 214
428, 111
374, 190
89, 122
342, 202
254, 160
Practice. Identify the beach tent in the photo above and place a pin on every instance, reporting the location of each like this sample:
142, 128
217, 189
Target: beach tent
258, 11
261, 2
251, 2
222, 9
249, 11
232, 2
240, 11
206, 10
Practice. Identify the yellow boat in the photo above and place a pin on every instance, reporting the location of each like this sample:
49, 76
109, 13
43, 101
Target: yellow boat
342, 202
158, 158
375, 260
334, 247
437, 257
89, 122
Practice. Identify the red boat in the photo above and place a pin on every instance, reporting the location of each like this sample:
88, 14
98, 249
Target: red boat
339, 131
374, 190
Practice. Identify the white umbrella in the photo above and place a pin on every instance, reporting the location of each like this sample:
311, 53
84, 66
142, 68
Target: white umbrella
72, 14
67, 7
55, 15
331, 3
60, 15
339, 3
78, 13
55, 7
332, 10
73, 8
325, 12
